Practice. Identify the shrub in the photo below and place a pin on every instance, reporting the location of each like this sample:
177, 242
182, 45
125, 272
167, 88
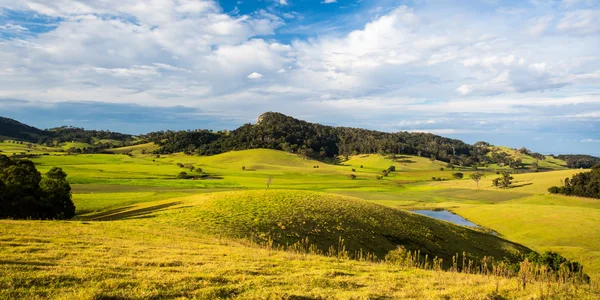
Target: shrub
361, 166
352, 176
243, 168
458, 175
392, 169
180, 165
379, 177
353, 170
441, 169
182, 175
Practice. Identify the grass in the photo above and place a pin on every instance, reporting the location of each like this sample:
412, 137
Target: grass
567, 225
148, 259
162, 228
287, 217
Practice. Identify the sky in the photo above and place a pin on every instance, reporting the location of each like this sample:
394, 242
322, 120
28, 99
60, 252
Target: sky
513, 73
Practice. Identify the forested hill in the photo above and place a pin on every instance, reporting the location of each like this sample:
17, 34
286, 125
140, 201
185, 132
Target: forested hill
281, 132
12, 129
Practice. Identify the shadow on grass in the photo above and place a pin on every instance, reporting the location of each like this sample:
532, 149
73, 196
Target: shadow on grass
128, 212
27, 263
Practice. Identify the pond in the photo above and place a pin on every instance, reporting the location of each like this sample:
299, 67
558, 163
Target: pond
446, 216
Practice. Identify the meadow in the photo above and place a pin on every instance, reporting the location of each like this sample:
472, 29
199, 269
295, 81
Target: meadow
141, 232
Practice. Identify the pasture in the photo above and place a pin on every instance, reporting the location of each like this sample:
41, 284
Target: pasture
133, 210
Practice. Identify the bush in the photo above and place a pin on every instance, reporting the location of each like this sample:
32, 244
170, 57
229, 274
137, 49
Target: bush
243, 168
361, 166
458, 175
392, 169
379, 177
353, 170
182, 175
24, 194
180, 165
352, 176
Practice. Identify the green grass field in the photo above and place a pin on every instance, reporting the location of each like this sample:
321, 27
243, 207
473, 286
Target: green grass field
138, 225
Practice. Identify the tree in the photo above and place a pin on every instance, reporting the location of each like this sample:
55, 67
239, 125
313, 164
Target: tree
269, 180
458, 175
57, 193
477, 177
432, 158
505, 180
352, 176
243, 168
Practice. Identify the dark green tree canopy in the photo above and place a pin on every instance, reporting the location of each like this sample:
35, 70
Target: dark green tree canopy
585, 184
24, 194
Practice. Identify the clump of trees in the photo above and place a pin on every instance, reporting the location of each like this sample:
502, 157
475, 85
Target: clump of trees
504, 181
579, 161
585, 184
25, 194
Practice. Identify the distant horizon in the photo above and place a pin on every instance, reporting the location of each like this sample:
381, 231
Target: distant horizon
512, 73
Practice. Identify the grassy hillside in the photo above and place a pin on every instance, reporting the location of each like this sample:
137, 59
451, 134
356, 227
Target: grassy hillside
549, 163
136, 149
150, 259
290, 216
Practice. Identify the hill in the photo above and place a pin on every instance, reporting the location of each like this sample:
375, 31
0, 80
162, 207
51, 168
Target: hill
146, 258
287, 217
12, 129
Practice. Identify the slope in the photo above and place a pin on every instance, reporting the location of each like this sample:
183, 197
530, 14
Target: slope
287, 217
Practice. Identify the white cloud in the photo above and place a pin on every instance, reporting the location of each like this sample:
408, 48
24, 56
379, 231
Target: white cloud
255, 75
580, 22
420, 64
590, 141
329, 1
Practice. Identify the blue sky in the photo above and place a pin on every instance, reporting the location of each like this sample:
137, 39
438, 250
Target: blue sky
515, 73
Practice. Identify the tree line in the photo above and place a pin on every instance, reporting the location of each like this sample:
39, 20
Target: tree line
585, 184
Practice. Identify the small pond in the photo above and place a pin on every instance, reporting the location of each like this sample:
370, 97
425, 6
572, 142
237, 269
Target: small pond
446, 216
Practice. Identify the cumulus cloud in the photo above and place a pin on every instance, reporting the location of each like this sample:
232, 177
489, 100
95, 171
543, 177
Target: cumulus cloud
399, 63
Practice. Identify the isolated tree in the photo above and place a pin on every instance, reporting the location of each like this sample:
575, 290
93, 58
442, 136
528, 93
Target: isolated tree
477, 177
505, 181
269, 180
243, 168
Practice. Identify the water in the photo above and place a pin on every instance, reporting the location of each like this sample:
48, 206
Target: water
446, 216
